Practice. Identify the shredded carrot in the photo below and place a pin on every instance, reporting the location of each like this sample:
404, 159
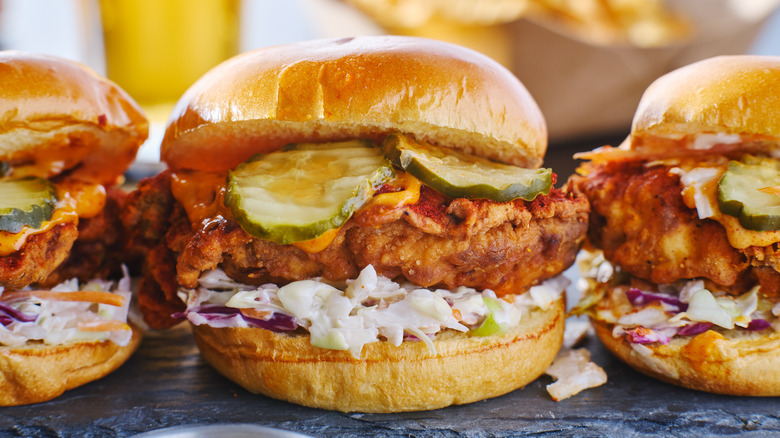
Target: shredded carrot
254, 313
88, 296
456, 313
102, 326
772, 190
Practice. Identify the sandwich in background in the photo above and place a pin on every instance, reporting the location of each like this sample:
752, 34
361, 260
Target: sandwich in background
67, 136
684, 280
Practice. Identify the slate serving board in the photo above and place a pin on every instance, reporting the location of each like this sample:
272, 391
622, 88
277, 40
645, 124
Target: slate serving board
167, 384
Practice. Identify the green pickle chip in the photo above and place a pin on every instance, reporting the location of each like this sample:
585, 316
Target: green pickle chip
739, 193
300, 192
25, 202
459, 175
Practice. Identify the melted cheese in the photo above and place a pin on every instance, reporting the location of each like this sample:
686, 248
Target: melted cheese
741, 238
409, 193
76, 199
319, 243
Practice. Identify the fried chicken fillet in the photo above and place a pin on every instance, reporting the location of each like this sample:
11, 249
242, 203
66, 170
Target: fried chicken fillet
94, 253
67, 147
641, 221
436, 242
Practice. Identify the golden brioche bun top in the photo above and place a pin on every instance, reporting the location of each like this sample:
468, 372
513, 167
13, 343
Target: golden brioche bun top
732, 95
53, 108
349, 88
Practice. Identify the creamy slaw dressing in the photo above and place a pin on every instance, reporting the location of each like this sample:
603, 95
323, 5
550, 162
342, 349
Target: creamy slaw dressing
685, 308
56, 322
367, 309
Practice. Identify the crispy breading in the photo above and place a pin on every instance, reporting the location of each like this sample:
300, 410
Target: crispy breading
94, 253
638, 218
41, 254
766, 267
84, 251
146, 213
157, 289
228, 243
507, 247
146, 218
437, 242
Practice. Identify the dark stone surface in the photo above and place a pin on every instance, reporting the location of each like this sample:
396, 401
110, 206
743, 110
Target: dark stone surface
167, 384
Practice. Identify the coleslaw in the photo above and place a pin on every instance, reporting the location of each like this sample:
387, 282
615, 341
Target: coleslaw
367, 309
94, 311
686, 308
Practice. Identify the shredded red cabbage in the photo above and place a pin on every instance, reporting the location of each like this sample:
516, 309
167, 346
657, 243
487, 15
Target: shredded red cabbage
758, 325
279, 322
694, 329
8, 315
639, 298
276, 323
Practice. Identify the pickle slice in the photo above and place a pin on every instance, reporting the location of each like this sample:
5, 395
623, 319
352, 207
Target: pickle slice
459, 175
493, 324
25, 201
739, 194
304, 190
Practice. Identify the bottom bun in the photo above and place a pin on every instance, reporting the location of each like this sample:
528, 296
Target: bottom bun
386, 378
35, 373
733, 362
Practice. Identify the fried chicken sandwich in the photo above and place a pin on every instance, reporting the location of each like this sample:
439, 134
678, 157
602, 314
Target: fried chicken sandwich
686, 214
67, 136
360, 225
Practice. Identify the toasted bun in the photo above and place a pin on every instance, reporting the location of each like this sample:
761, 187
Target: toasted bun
734, 364
361, 87
726, 94
36, 373
386, 378
53, 108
